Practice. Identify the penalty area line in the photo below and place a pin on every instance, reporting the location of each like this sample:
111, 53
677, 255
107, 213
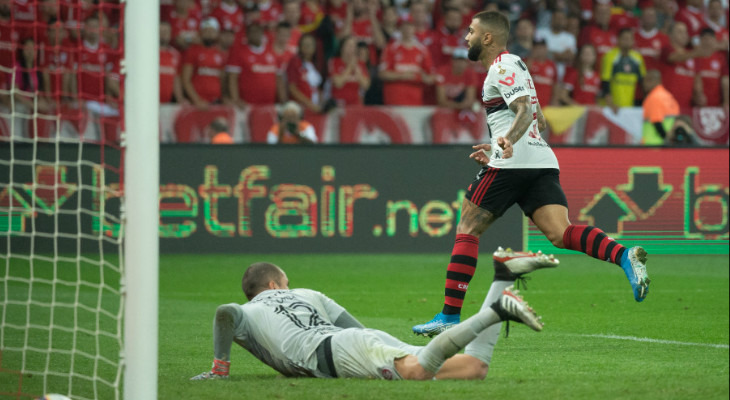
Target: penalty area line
660, 341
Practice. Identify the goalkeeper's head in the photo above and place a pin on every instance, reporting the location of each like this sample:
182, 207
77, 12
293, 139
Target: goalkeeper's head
262, 276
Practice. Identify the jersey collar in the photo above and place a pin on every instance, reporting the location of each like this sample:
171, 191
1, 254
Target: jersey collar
499, 57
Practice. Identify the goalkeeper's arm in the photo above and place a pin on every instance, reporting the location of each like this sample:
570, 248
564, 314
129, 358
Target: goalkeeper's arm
346, 320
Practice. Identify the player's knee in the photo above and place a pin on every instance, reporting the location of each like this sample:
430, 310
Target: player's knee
225, 313
556, 239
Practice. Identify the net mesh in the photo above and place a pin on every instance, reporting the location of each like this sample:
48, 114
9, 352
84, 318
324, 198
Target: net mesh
60, 198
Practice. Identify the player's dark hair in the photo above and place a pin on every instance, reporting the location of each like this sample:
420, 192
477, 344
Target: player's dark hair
257, 277
496, 21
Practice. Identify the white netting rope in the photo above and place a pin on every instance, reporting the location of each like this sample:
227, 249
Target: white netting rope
61, 311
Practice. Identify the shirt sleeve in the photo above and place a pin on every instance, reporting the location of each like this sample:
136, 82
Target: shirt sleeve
331, 308
510, 80
309, 133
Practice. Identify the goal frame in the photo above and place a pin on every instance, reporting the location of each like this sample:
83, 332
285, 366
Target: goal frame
141, 205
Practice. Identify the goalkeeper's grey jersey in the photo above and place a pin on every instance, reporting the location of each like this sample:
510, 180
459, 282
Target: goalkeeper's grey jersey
283, 328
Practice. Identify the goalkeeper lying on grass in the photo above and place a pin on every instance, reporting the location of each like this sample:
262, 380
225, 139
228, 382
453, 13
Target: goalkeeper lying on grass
302, 332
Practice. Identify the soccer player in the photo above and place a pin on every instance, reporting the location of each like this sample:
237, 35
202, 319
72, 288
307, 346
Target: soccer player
302, 332
523, 170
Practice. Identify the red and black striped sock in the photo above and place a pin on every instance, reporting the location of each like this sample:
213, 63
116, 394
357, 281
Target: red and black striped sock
594, 242
460, 271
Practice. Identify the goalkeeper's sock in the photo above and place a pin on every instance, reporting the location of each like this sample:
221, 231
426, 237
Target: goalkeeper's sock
483, 346
448, 343
594, 242
220, 367
460, 271
227, 318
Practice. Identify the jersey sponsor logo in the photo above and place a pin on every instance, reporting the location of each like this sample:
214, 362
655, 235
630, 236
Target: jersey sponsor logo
463, 286
514, 92
509, 81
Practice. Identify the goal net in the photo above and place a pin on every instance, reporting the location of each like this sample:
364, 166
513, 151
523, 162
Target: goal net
61, 261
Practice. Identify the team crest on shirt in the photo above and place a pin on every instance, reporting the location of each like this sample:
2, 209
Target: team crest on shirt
501, 70
386, 374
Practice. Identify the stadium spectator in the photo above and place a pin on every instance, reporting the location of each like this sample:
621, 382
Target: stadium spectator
649, 40
29, 80
365, 25
280, 44
582, 82
291, 128
349, 76
447, 38
229, 16
692, 15
270, 14
624, 16
561, 45
573, 25
711, 69
716, 18
55, 62
665, 11
311, 16
374, 95
598, 32
252, 70
544, 72
420, 17
290, 14
185, 21
679, 68
521, 45
405, 69
170, 61
456, 83
339, 11
660, 110
622, 71
202, 70
303, 78
8, 39
24, 16
90, 63
217, 132
389, 24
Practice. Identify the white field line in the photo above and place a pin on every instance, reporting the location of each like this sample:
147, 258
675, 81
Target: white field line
660, 341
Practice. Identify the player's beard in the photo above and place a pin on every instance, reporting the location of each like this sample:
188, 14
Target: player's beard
475, 51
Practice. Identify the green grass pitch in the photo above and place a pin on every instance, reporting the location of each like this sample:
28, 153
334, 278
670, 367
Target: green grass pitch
589, 348
598, 343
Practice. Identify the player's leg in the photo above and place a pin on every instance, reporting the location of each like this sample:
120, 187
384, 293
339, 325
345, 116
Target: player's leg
553, 221
487, 198
462, 265
508, 266
227, 317
509, 306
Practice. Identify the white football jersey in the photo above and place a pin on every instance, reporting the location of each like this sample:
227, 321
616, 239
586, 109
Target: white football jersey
283, 328
507, 80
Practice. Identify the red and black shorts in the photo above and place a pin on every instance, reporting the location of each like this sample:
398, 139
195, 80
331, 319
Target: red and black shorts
497, 189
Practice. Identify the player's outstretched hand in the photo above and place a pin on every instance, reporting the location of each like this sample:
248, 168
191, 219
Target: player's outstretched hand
506, 146
480, 155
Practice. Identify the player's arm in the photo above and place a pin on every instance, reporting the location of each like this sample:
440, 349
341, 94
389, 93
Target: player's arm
337, 314
521, 107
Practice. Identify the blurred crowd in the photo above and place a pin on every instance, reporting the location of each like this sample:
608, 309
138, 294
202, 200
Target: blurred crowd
323, 54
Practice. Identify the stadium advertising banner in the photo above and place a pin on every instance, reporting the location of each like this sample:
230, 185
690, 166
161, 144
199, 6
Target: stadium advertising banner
671, 201
292, 199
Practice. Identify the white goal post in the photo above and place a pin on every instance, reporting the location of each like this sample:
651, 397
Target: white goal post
141, 187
